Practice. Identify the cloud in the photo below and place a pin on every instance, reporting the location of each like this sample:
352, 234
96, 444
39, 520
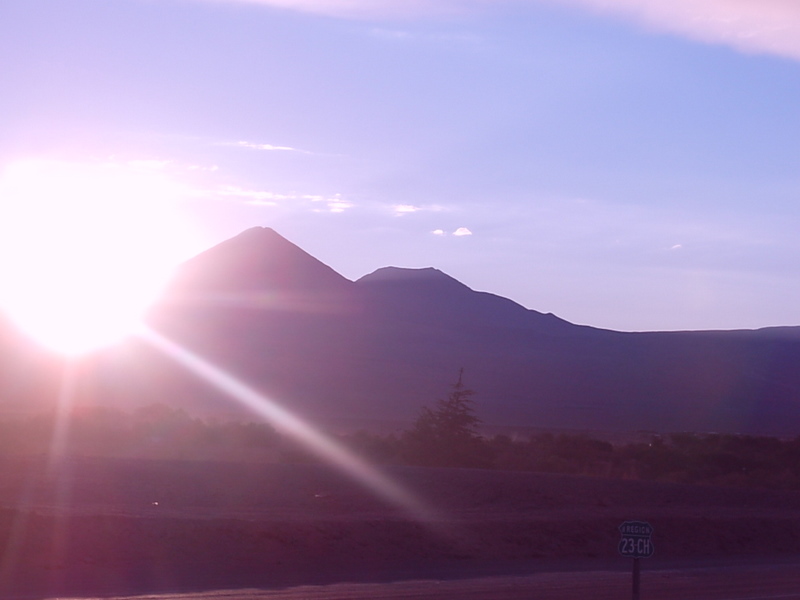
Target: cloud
266, 147
337, 205
406, 209
760, 26
250, 197
460, 232
396, 35
367, 9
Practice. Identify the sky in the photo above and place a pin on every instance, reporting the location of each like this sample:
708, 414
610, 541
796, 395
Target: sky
625, 164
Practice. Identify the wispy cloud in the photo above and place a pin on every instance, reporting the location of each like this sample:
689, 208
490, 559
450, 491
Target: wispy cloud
336, 204
265, 147
365, 9
252, 197
266, 198
406, 209
401, 35
762, 26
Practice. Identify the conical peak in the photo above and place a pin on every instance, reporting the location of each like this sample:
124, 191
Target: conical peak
258, 259
257, 239
259, 234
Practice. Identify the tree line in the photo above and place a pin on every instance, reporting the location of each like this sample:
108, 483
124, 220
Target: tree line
446, 434
155, 431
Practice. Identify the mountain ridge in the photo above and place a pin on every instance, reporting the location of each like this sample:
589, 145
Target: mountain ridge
378, 349
409, 330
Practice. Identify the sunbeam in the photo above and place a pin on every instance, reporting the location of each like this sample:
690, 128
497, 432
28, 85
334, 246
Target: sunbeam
56, 468
60, 436
314, 440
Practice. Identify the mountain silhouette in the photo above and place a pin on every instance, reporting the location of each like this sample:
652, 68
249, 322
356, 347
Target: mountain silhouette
258, 259
376, 350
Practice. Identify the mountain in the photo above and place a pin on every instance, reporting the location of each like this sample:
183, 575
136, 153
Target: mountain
383, 346
258, 259
377, 349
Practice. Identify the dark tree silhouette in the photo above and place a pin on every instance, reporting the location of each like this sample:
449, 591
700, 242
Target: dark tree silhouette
447, 435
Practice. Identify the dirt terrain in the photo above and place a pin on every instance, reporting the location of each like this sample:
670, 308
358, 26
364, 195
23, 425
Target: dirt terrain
123, 527
738, 582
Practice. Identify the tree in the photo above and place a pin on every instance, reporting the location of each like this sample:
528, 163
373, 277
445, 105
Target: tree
447, 435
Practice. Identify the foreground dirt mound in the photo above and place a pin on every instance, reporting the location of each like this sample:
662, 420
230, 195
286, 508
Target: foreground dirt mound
103, 526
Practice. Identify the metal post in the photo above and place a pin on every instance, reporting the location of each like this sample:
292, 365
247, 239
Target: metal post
636, 577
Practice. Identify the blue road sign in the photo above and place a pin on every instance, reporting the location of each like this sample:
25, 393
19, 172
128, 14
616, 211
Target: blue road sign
635, 541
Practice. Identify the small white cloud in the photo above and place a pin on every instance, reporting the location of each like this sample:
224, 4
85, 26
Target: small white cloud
462, 231
266, 147
438, 232
676, 247
338, 206
335, 203
405, 209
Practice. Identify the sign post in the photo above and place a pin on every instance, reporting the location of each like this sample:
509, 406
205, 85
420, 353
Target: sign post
635, 543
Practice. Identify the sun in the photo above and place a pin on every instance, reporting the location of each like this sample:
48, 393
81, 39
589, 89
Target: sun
85, 248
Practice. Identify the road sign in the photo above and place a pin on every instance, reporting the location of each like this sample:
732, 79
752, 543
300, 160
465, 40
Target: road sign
635, 541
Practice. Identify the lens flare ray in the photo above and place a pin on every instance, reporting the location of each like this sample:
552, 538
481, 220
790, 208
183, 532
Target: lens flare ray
315, 441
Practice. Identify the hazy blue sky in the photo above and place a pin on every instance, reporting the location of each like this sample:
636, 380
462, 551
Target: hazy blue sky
625, 164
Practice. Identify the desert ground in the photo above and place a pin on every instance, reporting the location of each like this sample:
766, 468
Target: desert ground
113, 528
731, 582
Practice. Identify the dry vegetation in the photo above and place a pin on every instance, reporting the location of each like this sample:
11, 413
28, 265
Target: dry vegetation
125, 511
160, 432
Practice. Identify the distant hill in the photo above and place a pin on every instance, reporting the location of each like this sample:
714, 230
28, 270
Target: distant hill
377, 349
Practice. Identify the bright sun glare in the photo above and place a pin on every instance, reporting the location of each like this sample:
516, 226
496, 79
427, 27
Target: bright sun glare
85, 248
